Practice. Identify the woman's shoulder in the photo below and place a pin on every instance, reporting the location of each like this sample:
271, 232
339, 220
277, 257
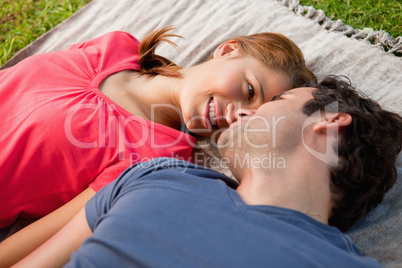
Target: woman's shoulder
115, 39
120, 35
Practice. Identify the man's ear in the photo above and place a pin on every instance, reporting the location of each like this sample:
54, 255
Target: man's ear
229, 48
333, 122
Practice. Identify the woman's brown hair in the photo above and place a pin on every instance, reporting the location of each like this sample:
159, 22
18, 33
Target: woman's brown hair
153, 64
278, 53
274, 50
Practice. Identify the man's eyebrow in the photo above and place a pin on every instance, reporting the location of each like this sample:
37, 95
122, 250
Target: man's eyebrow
277, 96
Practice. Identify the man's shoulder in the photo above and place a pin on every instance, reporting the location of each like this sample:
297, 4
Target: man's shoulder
164, 169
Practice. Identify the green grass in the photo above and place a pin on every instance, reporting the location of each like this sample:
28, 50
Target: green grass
383, 15
22, 21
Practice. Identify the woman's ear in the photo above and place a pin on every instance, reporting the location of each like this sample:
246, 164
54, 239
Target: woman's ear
229, 48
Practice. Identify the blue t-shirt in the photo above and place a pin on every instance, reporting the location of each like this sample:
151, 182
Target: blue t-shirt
170, 213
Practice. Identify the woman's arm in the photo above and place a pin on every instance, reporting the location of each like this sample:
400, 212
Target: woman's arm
57, 250
31, 237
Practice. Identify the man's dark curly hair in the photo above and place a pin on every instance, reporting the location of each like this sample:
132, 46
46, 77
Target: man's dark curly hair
367, 150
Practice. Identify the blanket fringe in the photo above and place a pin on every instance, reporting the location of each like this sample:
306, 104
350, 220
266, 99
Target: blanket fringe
380, 39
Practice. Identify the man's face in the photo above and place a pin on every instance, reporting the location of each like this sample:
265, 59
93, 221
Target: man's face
274, 131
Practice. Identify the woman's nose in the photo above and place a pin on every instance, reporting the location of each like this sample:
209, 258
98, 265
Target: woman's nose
234, 114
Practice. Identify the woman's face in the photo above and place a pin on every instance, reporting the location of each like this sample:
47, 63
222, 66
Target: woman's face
220, 90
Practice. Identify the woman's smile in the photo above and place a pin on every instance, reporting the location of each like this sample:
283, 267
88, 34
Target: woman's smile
213, 115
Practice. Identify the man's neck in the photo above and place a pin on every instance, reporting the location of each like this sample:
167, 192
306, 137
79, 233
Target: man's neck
300, 187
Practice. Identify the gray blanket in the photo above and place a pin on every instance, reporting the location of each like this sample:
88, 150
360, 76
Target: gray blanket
206, 23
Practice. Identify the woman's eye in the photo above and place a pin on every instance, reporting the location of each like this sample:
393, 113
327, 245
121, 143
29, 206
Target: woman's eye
251, 91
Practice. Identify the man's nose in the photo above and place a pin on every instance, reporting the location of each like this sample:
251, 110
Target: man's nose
244, 112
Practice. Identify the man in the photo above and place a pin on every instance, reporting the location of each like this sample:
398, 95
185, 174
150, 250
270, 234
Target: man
336, 151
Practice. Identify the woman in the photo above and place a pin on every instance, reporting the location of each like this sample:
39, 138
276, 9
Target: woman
78, 118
